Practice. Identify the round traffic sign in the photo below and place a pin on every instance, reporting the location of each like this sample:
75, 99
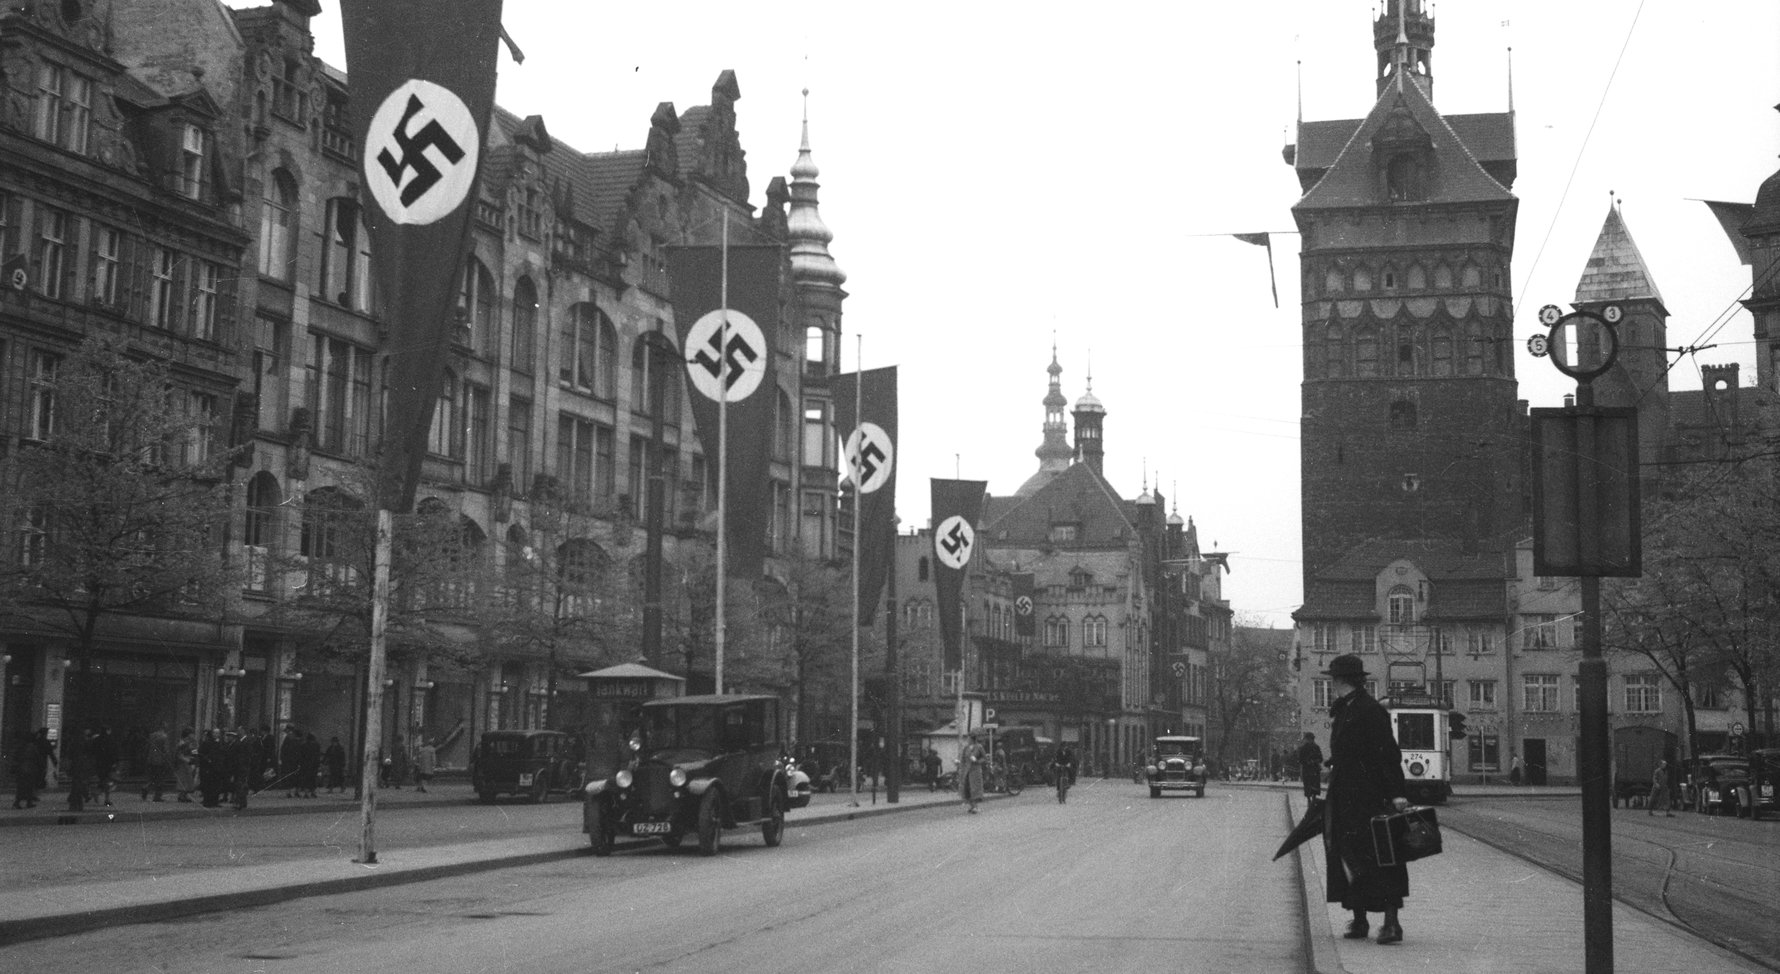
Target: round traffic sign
1582, 344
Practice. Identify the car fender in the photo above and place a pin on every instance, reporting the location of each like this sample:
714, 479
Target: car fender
698, 786
596, 788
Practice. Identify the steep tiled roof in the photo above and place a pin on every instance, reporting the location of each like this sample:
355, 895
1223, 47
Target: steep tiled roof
1490, 137
1465, 584
600, 181
1079, 496
1351, 180
1615, 269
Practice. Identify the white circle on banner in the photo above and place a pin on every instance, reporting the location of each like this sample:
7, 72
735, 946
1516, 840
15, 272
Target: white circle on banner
953, 541
1023, 605
729, 370
420, 153
871, 456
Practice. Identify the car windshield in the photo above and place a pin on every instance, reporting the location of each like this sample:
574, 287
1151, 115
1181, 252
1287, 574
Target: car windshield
676, 733
1173, 748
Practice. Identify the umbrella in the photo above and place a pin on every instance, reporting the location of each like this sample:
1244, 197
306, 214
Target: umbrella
1308, 827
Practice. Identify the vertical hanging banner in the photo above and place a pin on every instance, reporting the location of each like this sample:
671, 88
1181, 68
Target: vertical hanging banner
1025, 607
957, 506
738, 370
422, 74
869, 442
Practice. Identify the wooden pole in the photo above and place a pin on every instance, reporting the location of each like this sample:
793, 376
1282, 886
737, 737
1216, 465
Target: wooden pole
373, 764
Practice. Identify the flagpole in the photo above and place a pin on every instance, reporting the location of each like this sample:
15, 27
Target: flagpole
858, 502
722, 446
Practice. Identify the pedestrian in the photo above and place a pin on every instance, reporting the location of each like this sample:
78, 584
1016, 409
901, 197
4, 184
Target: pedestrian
1063, 772
245, 756
158, 760
1659, 790
397, 763
1310, 766
308, 765
1516, 770
290, 761
265, 768
335, 758
213, 767
28, 768
185, 764
931, 762
970, 772
102, 752
426, 761
1365, 779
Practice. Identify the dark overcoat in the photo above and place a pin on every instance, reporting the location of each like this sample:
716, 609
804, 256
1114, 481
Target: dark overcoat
1366, 772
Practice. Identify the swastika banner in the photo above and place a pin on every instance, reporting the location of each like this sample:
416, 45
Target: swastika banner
957, 505
733, 363
1025, 605
869, 449
422, 74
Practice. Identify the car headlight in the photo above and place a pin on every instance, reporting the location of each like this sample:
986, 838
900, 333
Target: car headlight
622, 779
1150, 769
1416, 768
677, 778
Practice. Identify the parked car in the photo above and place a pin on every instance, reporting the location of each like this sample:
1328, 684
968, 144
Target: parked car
1176, 762
1764, 781
1719, 784
533, 763
703, 765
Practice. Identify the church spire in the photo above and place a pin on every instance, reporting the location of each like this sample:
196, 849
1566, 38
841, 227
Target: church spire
809, 236
1054, 453
1403, 38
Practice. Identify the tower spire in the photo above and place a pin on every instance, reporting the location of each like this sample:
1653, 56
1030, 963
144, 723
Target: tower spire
808, 235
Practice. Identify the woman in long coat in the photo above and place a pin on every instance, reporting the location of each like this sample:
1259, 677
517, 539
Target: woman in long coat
970, 773
1366, 779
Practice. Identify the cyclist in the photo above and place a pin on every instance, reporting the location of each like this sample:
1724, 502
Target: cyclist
1063, 770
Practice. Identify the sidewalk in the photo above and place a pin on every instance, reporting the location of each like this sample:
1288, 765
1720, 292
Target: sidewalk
1474, 909
35, 911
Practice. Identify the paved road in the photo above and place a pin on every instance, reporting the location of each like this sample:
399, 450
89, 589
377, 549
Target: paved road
1110, 881
1717, 876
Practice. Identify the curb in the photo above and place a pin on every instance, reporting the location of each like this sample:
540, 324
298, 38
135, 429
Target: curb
1321, 957
371, 877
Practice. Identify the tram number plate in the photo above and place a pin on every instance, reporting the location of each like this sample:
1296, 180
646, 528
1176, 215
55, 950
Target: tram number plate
651, 828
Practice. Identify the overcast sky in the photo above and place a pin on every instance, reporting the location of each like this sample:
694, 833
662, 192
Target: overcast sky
999, 173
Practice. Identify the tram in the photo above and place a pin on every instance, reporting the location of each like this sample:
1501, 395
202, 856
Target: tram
1423, 727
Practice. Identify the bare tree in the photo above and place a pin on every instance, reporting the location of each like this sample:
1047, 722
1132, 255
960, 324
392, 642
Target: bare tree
1251, 687
119, 510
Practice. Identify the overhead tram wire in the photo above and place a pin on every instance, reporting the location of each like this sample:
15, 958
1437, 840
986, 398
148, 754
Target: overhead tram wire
1577, 163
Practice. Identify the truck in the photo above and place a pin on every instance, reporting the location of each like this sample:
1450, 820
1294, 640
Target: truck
1635, 753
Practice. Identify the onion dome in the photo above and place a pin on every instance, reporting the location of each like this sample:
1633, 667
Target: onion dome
809, 236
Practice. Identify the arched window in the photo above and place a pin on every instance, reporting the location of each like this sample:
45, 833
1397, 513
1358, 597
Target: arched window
815, 350
1442, 276
259, 534
1442, 348
1400, 603
346, 256
1473, 349
525, 323
1418, 278
476, 304
589, 351
1333, 282
1057, 631
1094, 631
333, 520
1471, 277
1362, 279
278, 226
921, 569
581, 564
439, 438
1402, 179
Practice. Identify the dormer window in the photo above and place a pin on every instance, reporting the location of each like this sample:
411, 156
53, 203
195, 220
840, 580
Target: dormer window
1402, 179
1062, 533
191, 162
1401, 605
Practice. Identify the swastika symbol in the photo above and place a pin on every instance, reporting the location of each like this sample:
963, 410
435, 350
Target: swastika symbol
1023, 605
871, 455
714, 357
432, 135
421, 153
953, 540
725, 360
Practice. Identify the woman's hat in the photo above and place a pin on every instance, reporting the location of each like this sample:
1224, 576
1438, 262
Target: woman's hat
1348, 666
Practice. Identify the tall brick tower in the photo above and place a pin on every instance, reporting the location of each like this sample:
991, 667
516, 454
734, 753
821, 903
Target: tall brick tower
1411, 429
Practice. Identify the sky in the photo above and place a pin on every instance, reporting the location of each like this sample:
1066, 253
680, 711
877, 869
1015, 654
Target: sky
1001, 176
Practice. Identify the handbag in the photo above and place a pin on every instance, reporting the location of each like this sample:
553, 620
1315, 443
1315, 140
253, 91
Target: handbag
1405, 836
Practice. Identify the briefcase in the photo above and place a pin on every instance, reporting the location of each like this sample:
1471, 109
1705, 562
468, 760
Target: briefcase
1405, 836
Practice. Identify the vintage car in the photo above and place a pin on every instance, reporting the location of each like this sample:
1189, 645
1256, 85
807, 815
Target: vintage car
1177, 763
1719, 784
1764, 782
532, 763
703, 764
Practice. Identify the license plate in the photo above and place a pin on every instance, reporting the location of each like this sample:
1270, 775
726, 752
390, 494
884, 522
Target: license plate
651, 828
525, 780
1767, 791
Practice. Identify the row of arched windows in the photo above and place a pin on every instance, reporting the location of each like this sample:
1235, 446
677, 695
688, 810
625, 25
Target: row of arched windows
1056, 631
1344, 276
1368, 350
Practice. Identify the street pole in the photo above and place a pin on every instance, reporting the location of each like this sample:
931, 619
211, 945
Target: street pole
853, 469
1597, 838
655, 499
367, 846
893, 676
722, 461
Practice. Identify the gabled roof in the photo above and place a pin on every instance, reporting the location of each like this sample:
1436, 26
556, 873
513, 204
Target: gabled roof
1437, 558
1351, 179
1616, 270
1077, 496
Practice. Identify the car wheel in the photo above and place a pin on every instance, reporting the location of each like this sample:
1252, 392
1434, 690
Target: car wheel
773, 829
710, 824
599, 831
672, 840
1155, 792
540, 788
